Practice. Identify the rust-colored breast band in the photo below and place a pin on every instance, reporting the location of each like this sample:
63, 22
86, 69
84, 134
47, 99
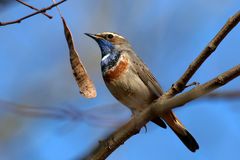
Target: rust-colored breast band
115, 72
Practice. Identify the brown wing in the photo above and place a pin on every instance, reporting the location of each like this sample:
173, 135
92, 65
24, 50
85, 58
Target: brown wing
150, 81
146, 76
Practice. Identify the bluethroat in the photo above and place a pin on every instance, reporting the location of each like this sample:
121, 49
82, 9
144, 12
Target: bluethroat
131, 82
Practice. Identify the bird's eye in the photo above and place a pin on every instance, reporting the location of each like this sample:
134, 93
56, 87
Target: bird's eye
109, 36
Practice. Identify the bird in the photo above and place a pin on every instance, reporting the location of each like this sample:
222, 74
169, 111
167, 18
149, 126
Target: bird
131, 82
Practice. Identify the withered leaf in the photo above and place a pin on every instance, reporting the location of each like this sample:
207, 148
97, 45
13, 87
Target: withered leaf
85, 84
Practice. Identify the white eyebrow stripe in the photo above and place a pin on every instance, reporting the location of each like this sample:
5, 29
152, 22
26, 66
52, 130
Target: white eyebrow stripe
114, 34
117, 35
107, 55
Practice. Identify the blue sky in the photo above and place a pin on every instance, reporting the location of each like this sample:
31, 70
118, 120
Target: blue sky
167, 35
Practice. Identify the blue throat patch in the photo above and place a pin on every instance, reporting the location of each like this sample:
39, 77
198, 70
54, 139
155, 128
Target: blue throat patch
110, 55
109, 61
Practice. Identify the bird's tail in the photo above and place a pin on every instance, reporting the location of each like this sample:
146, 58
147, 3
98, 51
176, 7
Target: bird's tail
180, 131
159, 122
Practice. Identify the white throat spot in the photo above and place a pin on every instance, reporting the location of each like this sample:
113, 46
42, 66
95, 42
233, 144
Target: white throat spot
106, 56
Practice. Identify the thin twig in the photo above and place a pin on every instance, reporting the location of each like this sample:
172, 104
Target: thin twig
30, 15
54, 1
28, 5
179, 86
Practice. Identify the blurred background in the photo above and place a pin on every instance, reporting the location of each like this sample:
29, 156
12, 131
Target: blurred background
35, 72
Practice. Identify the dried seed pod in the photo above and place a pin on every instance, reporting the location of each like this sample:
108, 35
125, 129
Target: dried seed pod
85, 84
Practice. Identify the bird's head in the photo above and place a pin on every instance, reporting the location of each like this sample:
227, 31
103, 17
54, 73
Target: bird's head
109, 42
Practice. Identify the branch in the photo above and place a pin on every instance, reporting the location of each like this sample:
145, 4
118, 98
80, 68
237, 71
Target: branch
131, 128
101, 116
224, 95
179, 86
24, 3
199, 91
30, 15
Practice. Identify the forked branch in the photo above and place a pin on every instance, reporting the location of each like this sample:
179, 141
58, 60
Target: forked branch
32, 14
32, 7
179, 86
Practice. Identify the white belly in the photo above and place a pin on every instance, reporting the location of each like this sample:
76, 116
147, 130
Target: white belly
131, 91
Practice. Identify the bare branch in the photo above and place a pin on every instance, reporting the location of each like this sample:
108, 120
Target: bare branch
30, 15
224, 95
201, 90
41, 112
24, 3
179, 86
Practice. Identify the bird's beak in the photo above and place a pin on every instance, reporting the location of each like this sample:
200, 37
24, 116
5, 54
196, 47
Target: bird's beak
94, 36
